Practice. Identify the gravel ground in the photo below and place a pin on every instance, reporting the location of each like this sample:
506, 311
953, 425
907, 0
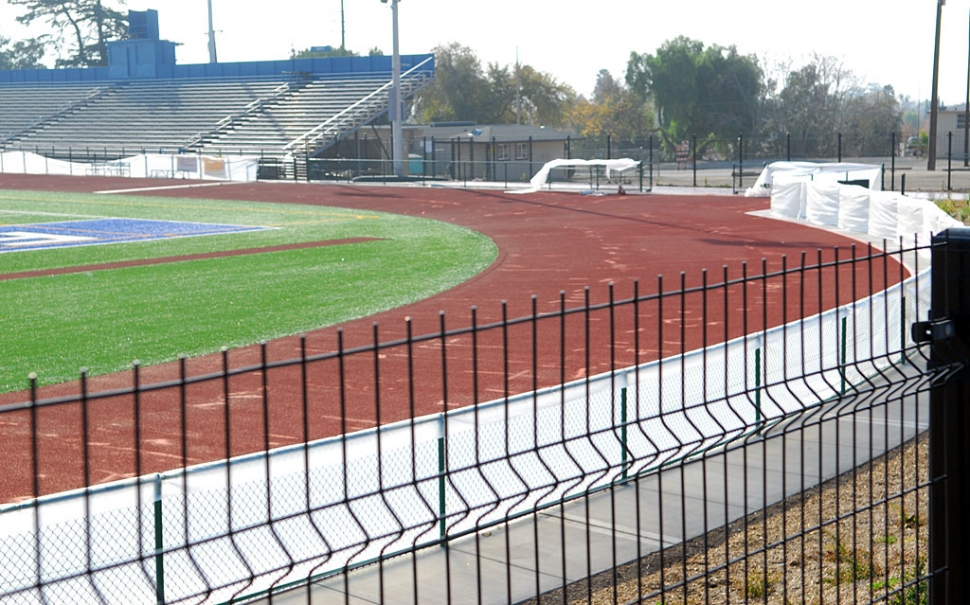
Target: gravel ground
861, 537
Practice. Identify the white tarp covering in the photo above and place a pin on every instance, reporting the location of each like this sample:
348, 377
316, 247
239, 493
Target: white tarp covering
814, 171
788, 199
909, 217
202, 167
822, 203
854, 209
881, 214
540, 178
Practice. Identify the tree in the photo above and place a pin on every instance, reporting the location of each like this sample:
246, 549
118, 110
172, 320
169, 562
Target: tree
606, 86
527, 96
321, 53
871, 116
81, 28
712, 92
459, 90
462, 90
23, 54
614, 111
811, 106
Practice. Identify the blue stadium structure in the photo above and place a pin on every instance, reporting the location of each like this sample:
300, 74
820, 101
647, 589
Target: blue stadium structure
143, 101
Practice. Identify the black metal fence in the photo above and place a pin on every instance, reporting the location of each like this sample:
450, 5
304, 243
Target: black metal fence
734, 162
758, 435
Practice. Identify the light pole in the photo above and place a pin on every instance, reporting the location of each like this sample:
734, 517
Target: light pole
394, 100
212, 38
343, 40
935, 101
966, 114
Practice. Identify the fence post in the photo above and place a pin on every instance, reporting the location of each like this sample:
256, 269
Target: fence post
949, 159
740, 161
843, 346
892, 181
949, 480
621, 381
693, 159
651, 162
442, 469
757, 388
903, 358
159, 544
530, 157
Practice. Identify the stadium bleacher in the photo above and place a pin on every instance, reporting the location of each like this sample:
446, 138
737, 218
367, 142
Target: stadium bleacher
156, 115
220, 116
143, 101
344, 102
26, 105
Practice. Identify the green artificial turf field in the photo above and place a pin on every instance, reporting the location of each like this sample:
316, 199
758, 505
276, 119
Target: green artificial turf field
104, 319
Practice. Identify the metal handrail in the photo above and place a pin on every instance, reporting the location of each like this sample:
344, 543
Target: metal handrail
305, 139
250, 108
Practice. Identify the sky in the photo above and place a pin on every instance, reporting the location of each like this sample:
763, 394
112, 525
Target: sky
880, 41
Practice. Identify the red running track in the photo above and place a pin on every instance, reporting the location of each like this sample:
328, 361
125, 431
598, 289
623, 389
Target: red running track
551, 245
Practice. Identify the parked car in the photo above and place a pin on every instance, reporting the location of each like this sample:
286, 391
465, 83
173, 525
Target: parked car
914, 147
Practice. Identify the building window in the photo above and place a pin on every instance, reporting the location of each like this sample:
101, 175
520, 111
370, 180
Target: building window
502, 152
521, 151
961, 121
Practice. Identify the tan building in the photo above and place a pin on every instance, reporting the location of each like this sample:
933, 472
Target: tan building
950, 119
465, 150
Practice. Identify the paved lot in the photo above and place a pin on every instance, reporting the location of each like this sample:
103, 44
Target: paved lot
917, 178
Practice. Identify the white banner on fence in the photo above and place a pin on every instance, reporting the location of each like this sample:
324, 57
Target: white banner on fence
148, 165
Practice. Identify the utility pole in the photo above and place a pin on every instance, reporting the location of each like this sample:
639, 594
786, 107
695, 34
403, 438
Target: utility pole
343, 39
966, 114
935, 101
212, 38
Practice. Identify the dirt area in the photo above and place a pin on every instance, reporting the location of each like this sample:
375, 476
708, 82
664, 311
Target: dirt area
858, 538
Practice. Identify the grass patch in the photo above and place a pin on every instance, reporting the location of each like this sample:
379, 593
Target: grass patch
104, 319
958, 209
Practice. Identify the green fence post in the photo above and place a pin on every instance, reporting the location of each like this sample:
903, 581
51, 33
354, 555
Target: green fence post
902, 330
757, 387
159, 544
845, 320
442, 526
623, 462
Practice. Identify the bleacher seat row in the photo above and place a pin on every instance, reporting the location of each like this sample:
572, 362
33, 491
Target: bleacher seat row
257, 116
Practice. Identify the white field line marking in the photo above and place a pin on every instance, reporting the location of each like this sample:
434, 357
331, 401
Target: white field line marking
136, 190
62, 214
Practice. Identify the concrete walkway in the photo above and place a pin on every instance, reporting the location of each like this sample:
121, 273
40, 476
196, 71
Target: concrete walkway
514, 562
